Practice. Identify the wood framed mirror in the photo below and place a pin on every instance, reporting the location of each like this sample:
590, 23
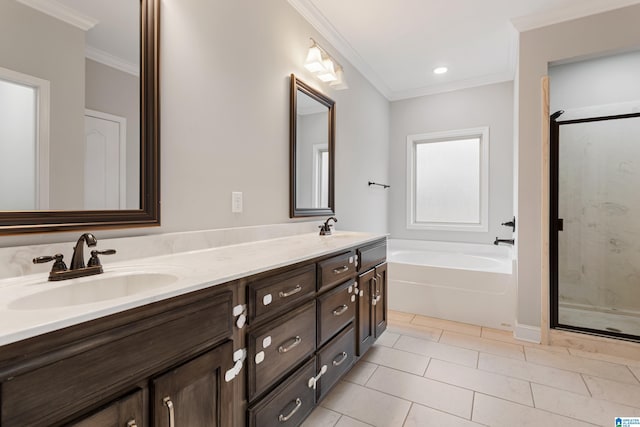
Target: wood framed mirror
312, 151
111, 50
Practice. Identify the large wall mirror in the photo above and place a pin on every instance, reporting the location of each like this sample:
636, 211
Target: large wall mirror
312, 151
79, 114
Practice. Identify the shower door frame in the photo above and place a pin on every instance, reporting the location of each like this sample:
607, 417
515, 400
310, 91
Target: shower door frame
555, 223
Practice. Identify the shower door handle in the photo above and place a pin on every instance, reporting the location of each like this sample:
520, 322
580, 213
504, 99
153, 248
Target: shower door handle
560, 224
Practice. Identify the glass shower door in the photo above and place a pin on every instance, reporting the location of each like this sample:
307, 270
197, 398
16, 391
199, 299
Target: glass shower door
598, 225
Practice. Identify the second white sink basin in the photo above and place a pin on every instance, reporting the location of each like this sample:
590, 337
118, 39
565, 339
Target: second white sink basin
93, 289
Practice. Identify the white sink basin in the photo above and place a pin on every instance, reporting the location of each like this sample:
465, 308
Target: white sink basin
93, 289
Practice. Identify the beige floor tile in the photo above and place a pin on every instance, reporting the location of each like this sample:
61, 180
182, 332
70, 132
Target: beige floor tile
504, 336
322, 417
498, 348
399, 316
614, 391
597, 368
417, 331
636, 371
421, 416
398, 359
580, 407
496, 412
388, 338
350, 422
434, 394
437, 350
371, 406
489, 383
361, 373
447, 325
566, 380
606, 357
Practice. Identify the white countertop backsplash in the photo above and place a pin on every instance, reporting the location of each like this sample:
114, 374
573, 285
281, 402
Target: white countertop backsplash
198, 259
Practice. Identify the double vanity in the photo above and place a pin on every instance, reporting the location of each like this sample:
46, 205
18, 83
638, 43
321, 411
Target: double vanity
250, 334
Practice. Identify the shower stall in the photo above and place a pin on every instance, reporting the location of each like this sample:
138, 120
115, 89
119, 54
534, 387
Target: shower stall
595, 224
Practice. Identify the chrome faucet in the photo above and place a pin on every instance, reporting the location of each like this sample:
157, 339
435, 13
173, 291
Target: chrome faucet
325, 229
77, 260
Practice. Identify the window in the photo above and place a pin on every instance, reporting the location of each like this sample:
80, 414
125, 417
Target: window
448, 180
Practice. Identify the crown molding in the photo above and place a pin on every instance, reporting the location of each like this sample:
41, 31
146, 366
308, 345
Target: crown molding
112, 61
62, 12
585, 8
318, 21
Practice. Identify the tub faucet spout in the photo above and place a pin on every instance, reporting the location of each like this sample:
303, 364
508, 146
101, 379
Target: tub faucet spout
507, 241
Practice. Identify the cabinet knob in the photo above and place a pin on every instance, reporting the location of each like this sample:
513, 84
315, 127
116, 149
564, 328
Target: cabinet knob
167, 401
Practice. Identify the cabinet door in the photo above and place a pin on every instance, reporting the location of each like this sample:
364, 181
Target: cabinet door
195, 394
365, 325
126, 412
379, 299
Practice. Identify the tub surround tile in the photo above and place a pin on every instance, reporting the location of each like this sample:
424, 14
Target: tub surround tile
588, 409
422, 416
613, 391
597, 368
497, 412
553, 377
400, 316
360, 373
367, 405
398, 359
447, 325
322, 417
434, 394
388, 339
508, 388
498, 348
434, 350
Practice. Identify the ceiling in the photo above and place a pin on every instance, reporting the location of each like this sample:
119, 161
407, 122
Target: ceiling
396, 44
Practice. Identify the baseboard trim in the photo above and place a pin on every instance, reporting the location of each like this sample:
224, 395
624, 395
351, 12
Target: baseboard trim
527, 333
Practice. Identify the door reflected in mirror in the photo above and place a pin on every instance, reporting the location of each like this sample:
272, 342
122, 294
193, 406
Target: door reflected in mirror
312, 151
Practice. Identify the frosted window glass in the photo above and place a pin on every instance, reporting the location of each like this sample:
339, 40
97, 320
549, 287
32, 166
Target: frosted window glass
448, 181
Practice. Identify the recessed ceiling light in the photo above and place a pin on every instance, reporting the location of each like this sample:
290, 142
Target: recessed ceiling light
440, 70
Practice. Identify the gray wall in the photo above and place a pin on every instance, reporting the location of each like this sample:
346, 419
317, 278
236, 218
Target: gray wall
112, 91
607, 32
36, 44
490, 105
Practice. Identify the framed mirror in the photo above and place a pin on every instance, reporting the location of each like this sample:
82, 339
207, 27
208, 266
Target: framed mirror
312, 152
79, 115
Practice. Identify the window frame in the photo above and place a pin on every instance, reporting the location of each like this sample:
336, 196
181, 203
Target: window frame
452, 135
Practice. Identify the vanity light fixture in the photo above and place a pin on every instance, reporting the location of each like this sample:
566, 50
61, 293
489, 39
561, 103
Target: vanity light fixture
325, 67
440, 70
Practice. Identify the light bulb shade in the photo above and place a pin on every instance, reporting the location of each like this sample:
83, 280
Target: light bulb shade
329, 74
313, 62
340, 83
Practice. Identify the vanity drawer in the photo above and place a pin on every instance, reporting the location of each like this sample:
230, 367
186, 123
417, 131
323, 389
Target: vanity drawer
276, 348
275, 293
372, 255
336, 270
289, 404
338, 356
336, 309
83, 373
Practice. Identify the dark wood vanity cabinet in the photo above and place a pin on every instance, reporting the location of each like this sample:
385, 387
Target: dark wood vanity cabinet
372, 295
129, 411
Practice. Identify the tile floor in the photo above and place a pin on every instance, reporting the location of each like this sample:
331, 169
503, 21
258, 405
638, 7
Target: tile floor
426, 372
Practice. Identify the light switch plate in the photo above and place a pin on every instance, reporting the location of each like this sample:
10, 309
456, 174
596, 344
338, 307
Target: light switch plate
236, 201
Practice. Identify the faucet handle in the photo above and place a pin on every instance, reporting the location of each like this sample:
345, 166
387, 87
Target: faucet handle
94, 261
58, 264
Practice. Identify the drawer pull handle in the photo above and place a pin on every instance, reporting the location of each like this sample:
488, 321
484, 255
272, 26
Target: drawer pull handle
167, 401
294, 343
340, 310
132, 423
343, 356
341, 269
293, 291
285, 418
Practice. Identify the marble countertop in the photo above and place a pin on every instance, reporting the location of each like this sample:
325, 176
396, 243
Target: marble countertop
190, 271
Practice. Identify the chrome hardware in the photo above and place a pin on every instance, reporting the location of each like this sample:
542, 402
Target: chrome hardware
341, 269
167, 401
314, 380
340, 310
341, 361
132, 423
296, 340
293, 291
285, 418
